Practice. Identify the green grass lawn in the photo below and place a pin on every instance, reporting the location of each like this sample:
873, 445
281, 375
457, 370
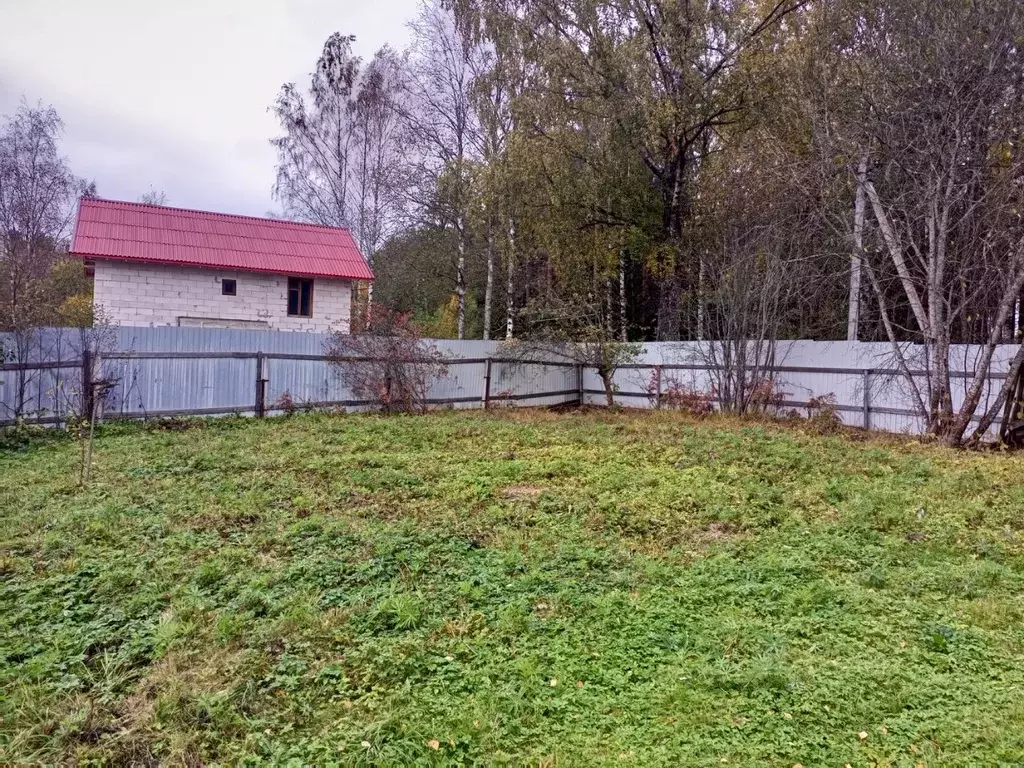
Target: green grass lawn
510, 588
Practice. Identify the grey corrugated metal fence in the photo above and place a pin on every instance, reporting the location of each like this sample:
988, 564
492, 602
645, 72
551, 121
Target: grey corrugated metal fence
180, 371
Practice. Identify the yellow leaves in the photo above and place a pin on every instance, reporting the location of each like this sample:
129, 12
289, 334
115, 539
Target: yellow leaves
554, 682
76, 310
434, 744
862, 735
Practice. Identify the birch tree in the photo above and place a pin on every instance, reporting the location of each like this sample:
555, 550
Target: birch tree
380, 158
940, 111
340, 157
443, 128
316, 154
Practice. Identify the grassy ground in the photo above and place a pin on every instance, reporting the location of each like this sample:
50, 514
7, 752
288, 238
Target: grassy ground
510, 588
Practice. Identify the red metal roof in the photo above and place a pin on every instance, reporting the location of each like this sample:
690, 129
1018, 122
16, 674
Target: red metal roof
112, 229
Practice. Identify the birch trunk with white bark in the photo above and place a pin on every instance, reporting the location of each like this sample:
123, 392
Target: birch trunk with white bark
460, 279
623, 330
510, 282
489, 286
856, 258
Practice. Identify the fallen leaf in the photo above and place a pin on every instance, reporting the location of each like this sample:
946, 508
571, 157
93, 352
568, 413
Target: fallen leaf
579, 683
366, 744
787, 715
862, 735
884, 730
554, 682
434, 744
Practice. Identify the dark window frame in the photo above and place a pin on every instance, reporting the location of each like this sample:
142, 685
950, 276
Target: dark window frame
300, 297
226, 284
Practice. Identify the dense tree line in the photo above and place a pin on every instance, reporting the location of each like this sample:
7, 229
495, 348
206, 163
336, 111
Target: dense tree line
671, 169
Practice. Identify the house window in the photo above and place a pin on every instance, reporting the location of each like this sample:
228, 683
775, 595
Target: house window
300, 297
228, 288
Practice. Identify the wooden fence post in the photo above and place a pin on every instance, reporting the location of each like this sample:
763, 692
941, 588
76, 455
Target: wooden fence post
867, 397
487, 384
579, 384
87, 386
657, 384
261, 387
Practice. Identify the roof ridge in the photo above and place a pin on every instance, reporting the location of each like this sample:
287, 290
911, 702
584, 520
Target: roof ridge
153, 206
226, 249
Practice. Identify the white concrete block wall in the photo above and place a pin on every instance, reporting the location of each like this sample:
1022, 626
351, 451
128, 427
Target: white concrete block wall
137, 294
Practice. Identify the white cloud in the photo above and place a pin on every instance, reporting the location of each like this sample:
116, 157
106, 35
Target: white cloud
174, 95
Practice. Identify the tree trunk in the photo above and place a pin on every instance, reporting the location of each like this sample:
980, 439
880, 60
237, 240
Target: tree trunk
954, 432
510, 282
701, 306
609, 387
623, 331
896, 253
1003, 397
489, 288
668, 307
369, 302
606, 289
853, 315
460, 279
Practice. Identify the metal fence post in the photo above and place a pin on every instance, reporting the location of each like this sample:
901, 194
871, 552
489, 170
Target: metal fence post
87, 387
487, 384
261, 387
867, 397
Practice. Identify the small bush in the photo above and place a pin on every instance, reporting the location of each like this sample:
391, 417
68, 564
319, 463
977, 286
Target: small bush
823, 414
389, 365
286, 403
687, 399
765, 397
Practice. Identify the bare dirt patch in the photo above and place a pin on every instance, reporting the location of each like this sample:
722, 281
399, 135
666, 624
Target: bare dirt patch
521, 492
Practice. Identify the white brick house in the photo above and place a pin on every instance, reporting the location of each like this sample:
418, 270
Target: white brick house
155, 265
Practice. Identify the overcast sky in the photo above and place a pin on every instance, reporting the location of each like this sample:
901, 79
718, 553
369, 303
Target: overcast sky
173, 94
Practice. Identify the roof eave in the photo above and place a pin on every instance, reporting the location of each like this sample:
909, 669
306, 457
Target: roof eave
237, 268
